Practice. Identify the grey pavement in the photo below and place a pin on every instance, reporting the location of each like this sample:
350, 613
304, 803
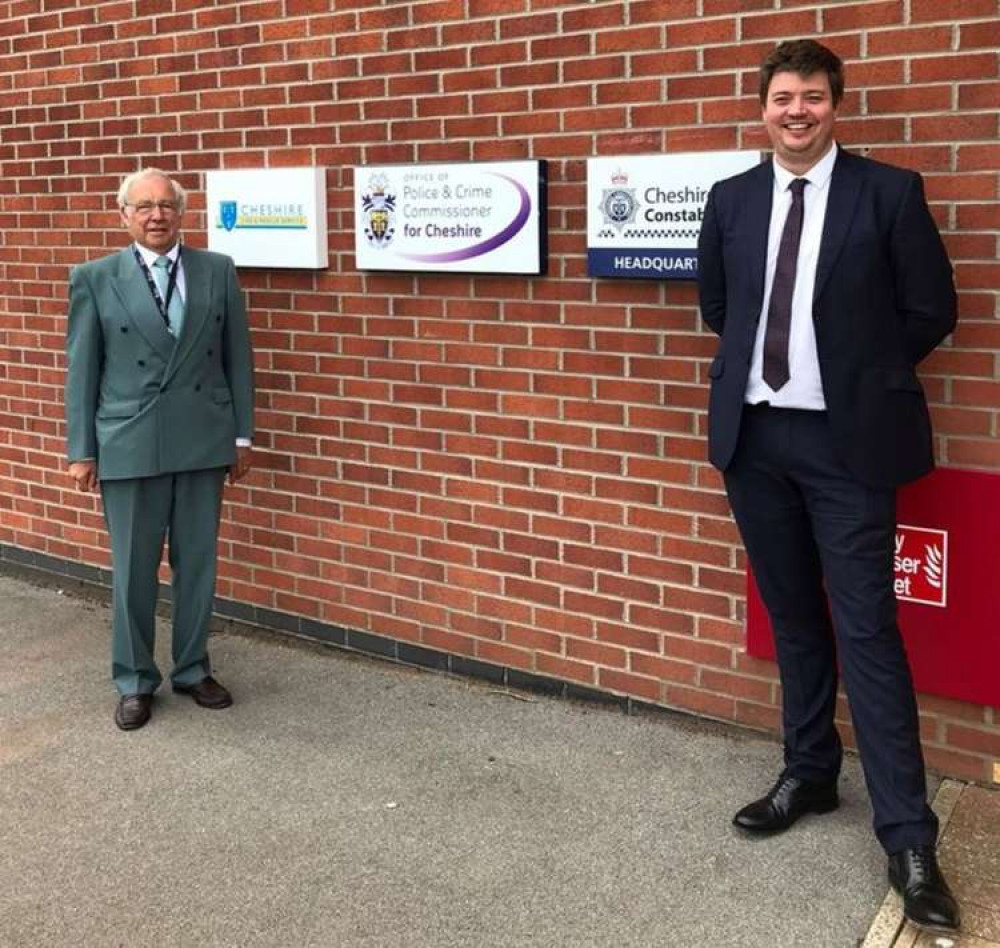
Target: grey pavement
352, 803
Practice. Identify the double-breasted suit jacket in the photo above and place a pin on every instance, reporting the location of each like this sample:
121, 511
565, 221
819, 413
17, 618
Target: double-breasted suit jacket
141, 402
884, 298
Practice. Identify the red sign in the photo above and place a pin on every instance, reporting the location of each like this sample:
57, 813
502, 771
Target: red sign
947, 583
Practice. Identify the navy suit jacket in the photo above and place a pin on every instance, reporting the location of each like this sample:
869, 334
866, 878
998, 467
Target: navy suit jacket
884, 298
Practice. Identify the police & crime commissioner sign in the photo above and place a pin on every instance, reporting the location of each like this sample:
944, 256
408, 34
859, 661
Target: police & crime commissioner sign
481, 217
644, 211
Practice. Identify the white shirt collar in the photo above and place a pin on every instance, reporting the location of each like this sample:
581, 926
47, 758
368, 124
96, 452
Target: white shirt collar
818, 175
150, 256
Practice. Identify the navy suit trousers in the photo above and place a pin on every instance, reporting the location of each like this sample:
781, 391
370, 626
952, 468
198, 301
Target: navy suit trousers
820, 545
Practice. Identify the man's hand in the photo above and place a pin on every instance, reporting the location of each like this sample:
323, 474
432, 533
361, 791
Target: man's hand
243, 463
84, 475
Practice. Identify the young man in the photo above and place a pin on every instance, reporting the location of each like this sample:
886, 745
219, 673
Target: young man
159, 405
826, 279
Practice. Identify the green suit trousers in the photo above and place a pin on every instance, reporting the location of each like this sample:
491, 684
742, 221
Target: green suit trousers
182, 507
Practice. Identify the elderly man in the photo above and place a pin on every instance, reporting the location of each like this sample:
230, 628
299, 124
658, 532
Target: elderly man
826, 279
159, 406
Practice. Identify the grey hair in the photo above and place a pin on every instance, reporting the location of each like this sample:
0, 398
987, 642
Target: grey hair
180, 195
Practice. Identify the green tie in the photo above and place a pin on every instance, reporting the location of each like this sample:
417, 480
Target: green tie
175, 314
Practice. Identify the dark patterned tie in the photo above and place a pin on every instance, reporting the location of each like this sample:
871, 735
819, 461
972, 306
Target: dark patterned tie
779, 310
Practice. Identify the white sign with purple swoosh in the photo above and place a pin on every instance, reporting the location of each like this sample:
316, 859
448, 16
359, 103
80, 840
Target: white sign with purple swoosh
485, 217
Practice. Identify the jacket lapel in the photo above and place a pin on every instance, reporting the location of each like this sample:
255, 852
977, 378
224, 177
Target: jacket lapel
133, 293
759, 198
845, 188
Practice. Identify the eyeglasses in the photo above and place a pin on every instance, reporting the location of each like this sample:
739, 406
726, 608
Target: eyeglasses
145, 208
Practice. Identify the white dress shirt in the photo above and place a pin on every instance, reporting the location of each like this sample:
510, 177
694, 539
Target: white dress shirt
804, 388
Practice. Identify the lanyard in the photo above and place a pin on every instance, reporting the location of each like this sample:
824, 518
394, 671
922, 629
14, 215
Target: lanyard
162, 305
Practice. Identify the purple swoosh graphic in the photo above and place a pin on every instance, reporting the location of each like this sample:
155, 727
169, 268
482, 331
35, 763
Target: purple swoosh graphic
487, 245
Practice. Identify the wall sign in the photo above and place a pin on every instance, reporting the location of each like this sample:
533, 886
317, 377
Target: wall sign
945, 582
269, 217
644, 212
486, 217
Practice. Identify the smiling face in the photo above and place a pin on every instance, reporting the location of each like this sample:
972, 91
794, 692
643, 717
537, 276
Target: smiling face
799, 116
151, 214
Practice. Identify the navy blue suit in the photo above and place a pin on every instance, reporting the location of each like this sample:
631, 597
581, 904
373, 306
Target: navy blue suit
813, 492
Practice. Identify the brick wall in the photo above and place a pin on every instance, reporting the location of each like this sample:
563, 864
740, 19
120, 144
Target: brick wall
510, 470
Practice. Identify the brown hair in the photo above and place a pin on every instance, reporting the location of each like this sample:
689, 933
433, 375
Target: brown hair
803, 56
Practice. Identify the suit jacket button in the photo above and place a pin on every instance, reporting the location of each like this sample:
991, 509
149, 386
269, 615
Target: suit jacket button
142, 362
209, 351
124, 328
197, 388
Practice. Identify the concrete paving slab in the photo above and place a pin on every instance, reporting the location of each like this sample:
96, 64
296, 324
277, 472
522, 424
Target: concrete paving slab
347, 802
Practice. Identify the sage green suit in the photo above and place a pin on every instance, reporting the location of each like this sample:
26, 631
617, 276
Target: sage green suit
161, 417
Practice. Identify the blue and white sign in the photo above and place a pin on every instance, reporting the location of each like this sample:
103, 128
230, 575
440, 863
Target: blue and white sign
485, 217
644, 211
269, 217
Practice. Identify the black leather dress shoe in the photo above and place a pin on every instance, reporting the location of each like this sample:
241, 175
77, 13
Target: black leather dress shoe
208, 693
927, 900
133, 711
788, 799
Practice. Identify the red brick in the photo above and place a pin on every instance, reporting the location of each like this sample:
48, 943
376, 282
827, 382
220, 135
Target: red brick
566, 48
535, 25
964, 765
978, 158
954, 128
949, 68
628, 40
640, 687
697, 87
779, 26
950, 10
909, 40
976, 35
662, 11
704, 33
564, 669
909, 99
596, 654
702, 702
864, 16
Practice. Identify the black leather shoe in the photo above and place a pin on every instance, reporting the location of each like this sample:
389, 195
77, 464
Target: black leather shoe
789, 799
927, 900
208, 693
133, 711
